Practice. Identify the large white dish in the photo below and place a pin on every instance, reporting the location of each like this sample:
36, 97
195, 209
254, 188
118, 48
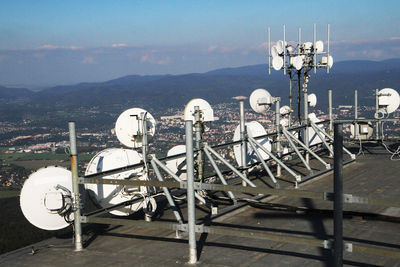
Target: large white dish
260, 100
277, 63
177, 166
319, 46
388, 100
285, 110
254, 129
40, 199
109, 195
312, 100
206, 111
129, 127
298, 62
280, 46
274, 51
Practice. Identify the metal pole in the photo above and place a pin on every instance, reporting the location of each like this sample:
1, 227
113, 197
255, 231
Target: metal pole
243, 147
329, 29
315, 52
355, 114
75, 187
330, 116
290, 97
190, 192
278, 134
305, 96
299, 96
376, 110
338, 195
269, 50
198, 138
284, 49
300, 36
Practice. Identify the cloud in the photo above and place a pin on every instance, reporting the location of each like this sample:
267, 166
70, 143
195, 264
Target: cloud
151, 58
119, 45
88, 60
212, 48
54, 47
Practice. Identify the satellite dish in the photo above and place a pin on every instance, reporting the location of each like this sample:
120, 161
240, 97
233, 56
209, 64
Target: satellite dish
280, 46
307, 46
177, 166
129, 127
274, 51
285, 110
260, 100
290, 49
388, 100
313, 137
277, 63
298, 62
254, 129
312, 100
328, 61
206, 112
319, 46
46, 198
108, 195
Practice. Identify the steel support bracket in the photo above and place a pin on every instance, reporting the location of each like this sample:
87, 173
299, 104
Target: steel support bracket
81, 180
349, 198
183, 227
328, 244
182, 185
328, 196
83, 219
199, 228
348, 247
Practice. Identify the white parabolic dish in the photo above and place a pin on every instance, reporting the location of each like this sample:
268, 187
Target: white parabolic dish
319, 46
177, 166
312, 100
206, 111
277, 63
109, 195
298, 62
129, 127
39, 187
254, 129
260, 100
388, 100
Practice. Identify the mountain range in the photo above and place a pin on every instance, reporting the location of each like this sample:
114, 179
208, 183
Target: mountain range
217, 86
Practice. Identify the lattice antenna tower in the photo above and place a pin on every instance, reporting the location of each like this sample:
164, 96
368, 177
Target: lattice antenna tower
297, 60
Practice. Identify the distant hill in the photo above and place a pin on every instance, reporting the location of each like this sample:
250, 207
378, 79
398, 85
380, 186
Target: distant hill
163, 91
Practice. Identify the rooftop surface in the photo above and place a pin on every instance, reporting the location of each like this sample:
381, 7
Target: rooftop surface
372, 175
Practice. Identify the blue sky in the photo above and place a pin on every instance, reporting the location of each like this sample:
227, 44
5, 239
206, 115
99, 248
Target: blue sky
62, 42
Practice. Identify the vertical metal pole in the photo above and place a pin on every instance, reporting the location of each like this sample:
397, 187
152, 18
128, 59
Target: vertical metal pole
284, 49
269, 50
305, 119
290, 98
243, 147
299, 96
299, 36
376, 110
330, 116
198, 138
190, 192
75, 187
315, 52
278, 134
355, 114
338, 195
145, 146
329, 30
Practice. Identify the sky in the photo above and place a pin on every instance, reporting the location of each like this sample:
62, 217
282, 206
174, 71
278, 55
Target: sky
46, 43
